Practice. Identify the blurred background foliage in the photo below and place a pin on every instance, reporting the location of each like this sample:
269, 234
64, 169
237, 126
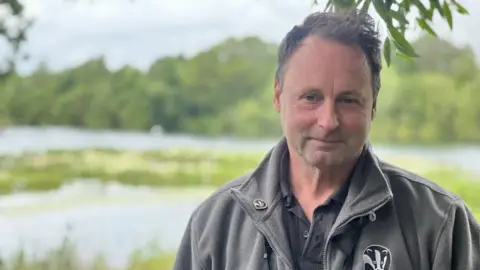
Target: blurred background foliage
227, 90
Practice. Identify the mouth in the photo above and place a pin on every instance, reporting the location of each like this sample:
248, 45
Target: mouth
326, 145
327, 141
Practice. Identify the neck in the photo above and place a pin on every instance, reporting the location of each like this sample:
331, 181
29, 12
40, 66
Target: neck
317, 184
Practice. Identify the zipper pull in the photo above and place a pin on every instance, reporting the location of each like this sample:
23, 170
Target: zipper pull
266, 250
266, 253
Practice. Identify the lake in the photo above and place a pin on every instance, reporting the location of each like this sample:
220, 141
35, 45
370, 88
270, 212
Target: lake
116, 219
112, 220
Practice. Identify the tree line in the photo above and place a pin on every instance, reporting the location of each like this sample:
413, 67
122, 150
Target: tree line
227, 90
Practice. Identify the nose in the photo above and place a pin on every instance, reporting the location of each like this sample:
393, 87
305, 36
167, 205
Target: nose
327, 117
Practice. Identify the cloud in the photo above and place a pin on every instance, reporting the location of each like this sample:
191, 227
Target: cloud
68, 32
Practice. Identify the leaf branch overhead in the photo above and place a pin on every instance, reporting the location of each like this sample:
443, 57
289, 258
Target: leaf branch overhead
394, 14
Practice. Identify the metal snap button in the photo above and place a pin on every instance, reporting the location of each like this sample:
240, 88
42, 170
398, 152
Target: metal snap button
259, 204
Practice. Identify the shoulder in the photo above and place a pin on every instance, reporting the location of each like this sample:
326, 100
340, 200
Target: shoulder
407, 182
434, 214
422, 198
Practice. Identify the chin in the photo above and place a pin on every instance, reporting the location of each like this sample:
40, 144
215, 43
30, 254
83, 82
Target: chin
330, 159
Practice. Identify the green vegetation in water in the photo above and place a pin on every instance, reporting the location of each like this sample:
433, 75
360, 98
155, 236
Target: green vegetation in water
178, 168
46, 171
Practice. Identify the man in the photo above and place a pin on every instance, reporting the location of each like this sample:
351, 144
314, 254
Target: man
321, 199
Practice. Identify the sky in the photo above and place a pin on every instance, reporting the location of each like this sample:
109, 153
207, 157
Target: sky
67, 33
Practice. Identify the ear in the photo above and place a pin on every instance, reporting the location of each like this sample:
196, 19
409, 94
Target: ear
277, 91
374, 109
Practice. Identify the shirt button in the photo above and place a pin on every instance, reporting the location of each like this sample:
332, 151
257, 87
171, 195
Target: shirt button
305, 234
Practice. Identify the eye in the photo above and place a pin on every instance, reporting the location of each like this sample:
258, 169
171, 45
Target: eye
348, 100
312, 97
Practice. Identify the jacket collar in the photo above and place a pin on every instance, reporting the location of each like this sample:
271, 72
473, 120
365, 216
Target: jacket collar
364, 192
261, 195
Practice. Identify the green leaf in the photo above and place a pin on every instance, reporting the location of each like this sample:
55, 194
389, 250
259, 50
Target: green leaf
431, 11
388, 4
406, 5
381, 9
404, 57
448, 15
423, 10
401, 43
399, 16
435, 4
460, 8
424, 25
405, 52
387, 51
399, 46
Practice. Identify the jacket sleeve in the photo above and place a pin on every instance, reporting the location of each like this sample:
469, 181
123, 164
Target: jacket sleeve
458, 244
187, 253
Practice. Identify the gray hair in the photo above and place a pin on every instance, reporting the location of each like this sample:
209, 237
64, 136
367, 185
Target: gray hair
354, 27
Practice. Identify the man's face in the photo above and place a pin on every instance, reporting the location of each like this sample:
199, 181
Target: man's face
325, 102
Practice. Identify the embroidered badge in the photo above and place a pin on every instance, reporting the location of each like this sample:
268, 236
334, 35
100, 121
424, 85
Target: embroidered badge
376, 257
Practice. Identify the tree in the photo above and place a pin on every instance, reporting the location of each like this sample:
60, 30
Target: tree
226, 91
13, 29
394, 13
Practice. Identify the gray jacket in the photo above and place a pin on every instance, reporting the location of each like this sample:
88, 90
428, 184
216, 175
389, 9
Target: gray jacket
391, 220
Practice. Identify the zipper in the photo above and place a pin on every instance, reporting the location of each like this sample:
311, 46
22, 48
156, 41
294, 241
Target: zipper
265, 234
332, 233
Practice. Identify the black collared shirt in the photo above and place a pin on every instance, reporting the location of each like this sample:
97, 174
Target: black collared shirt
307, 239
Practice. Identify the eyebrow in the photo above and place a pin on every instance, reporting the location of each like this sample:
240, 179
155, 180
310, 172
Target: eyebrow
349, 92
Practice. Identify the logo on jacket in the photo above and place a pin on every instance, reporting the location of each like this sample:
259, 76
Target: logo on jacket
376, 257
259, 204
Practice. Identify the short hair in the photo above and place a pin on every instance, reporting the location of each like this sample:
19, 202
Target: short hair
352, 27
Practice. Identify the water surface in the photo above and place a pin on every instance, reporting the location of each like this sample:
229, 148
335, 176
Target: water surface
113, 222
